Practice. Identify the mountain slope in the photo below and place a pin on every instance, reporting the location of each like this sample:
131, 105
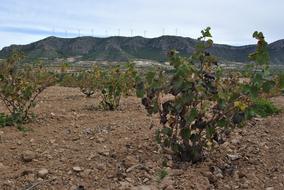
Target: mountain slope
125, 48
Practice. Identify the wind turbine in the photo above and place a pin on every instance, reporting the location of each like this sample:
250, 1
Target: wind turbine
131, 31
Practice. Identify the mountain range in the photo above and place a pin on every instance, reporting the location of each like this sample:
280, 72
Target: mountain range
130, 48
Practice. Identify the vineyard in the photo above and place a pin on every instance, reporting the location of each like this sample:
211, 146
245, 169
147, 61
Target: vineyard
194, 126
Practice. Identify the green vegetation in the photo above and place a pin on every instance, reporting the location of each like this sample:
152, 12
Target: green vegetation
6, 120
110, 83
199, 101
88, 81
262, 108
280, 82
67, 79
162, 174
115, 83
19, 88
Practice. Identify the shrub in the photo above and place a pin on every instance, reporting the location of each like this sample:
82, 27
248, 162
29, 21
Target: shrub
89, 81
111, 83
196, 104
115, 83
261, 81
199, 102
20, 86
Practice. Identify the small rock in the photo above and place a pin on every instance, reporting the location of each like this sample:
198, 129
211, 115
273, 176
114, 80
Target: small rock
168, 151
217, 172
258, 119
77, 169
227, 187
28, 156
2, 166
42, 173
269, 188
207, 174
219, 175
146, 180
130, 180
233, 157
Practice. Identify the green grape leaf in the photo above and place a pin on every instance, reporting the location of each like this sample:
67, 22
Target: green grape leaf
192, 115
185, 133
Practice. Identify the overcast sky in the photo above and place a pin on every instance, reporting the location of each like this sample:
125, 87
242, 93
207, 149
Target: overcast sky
232, 21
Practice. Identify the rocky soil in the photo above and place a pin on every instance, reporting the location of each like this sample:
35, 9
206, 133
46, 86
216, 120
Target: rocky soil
72, 145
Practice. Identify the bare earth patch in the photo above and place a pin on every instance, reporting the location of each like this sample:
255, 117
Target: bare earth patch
73, 145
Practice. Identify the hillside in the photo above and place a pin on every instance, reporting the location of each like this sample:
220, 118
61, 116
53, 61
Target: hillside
125, 48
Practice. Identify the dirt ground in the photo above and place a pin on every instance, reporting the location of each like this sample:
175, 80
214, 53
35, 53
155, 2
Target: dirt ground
72, 145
